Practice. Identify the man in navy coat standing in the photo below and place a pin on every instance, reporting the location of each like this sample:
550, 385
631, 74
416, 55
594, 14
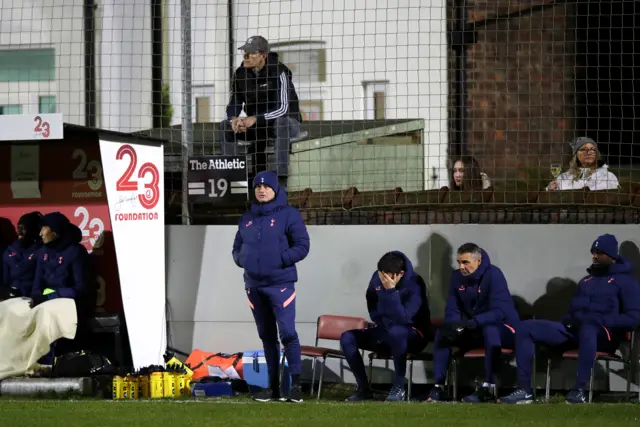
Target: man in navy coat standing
270, 240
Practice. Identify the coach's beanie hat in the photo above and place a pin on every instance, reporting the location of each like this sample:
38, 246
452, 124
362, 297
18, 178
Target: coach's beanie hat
267, 178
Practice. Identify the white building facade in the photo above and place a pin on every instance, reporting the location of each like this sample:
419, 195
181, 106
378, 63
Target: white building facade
42, 61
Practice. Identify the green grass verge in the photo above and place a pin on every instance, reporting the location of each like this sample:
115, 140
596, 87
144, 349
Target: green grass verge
243, 413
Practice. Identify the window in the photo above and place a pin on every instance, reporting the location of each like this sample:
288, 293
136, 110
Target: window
374, 99
307, 60
27, 65
10, 109
203, 112
311, 110
47, 104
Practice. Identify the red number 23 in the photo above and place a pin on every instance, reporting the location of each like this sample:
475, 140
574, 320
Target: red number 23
151, 196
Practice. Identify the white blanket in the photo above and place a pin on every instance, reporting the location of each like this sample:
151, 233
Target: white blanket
26, 333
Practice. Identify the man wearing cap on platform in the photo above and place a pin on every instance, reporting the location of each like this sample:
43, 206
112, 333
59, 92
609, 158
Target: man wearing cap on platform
264, 85
606, 306
271, 239
586, 169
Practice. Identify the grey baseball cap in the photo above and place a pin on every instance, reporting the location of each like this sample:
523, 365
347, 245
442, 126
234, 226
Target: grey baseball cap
577, 143
255, 44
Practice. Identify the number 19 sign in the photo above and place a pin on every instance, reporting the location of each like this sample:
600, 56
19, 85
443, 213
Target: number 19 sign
217, 179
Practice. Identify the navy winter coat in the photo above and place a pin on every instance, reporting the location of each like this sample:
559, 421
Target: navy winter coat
270, 240
64, 266
483, 297
19, 266
405, 305
611, 298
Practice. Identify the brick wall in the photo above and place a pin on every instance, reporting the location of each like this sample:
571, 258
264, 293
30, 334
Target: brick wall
521, 74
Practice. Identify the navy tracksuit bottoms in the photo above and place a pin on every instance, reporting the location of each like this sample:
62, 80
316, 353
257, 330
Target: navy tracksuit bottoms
274, 310
589, 339
396, 341
490, 337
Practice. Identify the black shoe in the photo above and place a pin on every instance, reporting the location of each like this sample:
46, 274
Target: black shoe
360, 395
266, 395
481, 395
295, 394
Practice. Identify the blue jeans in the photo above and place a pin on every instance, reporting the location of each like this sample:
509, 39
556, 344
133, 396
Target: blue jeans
282, 130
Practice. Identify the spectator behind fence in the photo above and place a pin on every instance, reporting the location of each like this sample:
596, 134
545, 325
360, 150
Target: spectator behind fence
398, 305
586, 169
605, 306
19, 259
480, 313
465, 175
264, 85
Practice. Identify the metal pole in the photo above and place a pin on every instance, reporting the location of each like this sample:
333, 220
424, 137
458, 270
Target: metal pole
461, 76
187, 123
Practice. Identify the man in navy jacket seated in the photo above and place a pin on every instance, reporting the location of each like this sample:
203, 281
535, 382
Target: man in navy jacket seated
480, 313
605, 307
63, 266
19, 259
398, 305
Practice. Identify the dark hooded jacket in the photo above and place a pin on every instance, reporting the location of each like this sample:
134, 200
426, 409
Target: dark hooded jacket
270, 240
405, 305
64, 266
610, 297
267, 95
482, 297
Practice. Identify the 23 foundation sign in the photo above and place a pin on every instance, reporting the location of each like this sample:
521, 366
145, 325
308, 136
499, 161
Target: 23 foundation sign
88, 180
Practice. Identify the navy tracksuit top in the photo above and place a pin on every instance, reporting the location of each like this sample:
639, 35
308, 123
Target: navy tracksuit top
610, 297
482, 296
405, 305
270, 240
19, 266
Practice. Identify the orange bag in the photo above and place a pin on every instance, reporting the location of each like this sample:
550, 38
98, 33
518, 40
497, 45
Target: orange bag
198, 361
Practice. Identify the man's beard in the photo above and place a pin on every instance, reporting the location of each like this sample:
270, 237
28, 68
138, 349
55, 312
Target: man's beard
598, 267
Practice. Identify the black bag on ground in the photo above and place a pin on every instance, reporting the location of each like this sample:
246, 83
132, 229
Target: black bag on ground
81, 364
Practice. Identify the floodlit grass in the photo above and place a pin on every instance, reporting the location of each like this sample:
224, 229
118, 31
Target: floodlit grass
244, 413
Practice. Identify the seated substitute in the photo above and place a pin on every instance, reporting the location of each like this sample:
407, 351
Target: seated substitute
397, 303
605, 307
480, 313
63, 267
19, 259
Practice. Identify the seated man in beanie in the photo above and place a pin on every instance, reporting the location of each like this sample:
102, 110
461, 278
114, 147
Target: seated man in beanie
63, 269
19, 259
605, 307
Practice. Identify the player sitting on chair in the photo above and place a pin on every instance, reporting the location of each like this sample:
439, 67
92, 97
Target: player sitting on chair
397, 303
479, 313
606, 305
19, 259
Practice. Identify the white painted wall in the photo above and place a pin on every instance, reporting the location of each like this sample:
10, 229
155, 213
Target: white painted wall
208, 307
124, 54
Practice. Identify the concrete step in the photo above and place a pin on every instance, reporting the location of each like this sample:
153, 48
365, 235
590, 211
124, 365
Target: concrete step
23, 386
